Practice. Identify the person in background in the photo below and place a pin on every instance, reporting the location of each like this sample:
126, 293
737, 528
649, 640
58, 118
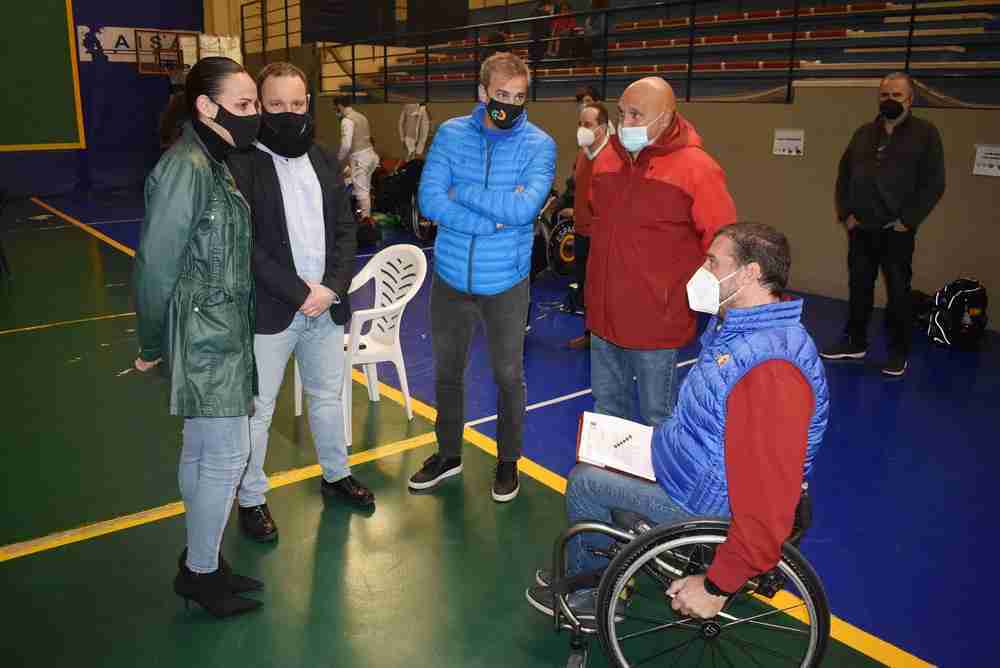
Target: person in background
890, 178
305, 237
540, 30
414, 127
588, 95
193, 297
592, 138
356, 143
563, 26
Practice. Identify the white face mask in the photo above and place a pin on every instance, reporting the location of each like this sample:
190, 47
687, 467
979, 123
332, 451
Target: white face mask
703, 291
585, 137
636, 138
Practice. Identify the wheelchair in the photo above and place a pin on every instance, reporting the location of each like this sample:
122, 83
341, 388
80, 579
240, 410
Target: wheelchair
781, 617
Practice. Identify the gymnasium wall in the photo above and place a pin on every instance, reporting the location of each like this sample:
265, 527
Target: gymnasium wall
962, 236
121, 107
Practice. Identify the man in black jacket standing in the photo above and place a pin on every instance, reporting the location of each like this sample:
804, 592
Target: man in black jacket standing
303, 259
890, 179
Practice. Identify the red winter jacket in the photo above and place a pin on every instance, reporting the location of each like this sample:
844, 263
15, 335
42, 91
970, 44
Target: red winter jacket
658, 215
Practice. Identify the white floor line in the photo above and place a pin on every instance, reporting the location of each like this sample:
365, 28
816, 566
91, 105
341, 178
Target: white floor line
115, 222
559, 400
425, 249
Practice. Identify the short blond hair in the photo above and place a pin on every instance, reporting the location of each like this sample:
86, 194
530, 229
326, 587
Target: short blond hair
504, 64
280, 69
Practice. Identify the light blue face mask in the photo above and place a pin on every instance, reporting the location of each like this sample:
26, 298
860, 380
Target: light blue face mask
636, 138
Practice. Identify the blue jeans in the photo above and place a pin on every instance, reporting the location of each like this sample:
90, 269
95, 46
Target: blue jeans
318, 344
592, 493
616, 372
213, 457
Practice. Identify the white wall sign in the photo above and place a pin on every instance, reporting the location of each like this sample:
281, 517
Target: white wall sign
987, 160
789, 142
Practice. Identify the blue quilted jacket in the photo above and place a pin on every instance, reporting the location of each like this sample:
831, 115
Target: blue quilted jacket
689, 456
484, 198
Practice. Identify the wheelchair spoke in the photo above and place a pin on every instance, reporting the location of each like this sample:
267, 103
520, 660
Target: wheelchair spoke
762, 615
719, 649
777, 627
748, 654
683, 623
685, 645
767, 650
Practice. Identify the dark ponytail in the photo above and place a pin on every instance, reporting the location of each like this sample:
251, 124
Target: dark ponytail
206, 78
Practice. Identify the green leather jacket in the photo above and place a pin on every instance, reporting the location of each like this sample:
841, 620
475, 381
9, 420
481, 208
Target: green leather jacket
193, 283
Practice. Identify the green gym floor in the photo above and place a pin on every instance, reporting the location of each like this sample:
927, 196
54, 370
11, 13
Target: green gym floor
93, 526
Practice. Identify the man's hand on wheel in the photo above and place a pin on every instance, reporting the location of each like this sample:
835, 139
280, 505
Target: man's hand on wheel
691, 599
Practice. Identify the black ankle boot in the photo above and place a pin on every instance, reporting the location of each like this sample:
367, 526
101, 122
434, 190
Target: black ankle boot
238, 584
211, 591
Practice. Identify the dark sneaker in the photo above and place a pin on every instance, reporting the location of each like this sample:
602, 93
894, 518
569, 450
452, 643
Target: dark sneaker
258, 524
896, 366
845, 350
435, 469
583, 603
505, 486
348, 490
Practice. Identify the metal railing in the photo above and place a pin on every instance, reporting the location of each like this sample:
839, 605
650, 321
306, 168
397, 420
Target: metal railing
686, 33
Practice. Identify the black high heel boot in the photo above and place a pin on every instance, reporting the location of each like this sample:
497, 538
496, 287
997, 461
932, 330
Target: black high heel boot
238, 584
211, 591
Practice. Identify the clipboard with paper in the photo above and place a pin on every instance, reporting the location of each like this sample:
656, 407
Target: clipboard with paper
616, 444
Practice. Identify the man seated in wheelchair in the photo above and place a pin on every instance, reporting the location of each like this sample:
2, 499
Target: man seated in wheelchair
749, 420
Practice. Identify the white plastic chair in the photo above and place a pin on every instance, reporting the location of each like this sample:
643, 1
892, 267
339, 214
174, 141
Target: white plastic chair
398, 272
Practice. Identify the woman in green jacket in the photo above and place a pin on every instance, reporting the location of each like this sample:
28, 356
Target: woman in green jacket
194, 305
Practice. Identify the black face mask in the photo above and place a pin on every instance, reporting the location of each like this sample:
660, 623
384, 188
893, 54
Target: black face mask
891, 109
288, 134
504, 115
243, 129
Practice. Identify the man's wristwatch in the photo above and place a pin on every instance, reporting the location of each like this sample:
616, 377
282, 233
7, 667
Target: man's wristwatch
713, 588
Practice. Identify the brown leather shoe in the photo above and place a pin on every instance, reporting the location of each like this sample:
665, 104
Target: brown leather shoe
350, 491
580, 342
258, 524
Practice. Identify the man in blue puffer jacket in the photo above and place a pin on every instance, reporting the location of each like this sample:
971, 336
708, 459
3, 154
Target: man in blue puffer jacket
486, 178
749, 421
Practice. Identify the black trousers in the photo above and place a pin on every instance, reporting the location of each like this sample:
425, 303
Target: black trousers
892, 251
581, 251
454, 318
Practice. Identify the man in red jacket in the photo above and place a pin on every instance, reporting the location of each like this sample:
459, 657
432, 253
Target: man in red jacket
660, 199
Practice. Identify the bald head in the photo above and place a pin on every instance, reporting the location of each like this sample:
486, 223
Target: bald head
648, 102
652, 91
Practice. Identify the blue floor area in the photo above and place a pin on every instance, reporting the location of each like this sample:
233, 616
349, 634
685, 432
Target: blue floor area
902, 536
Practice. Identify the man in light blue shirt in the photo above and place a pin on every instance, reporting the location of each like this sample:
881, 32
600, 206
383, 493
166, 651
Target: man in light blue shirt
305, 238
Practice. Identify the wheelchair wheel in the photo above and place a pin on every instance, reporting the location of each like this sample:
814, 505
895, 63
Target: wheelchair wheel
423, 229
780, 618
560, 249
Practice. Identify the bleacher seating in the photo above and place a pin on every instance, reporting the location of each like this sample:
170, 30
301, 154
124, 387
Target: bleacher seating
738, 53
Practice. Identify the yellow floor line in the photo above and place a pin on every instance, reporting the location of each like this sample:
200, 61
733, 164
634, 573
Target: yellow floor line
34, 328
86, 228
848, 634
87, 532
